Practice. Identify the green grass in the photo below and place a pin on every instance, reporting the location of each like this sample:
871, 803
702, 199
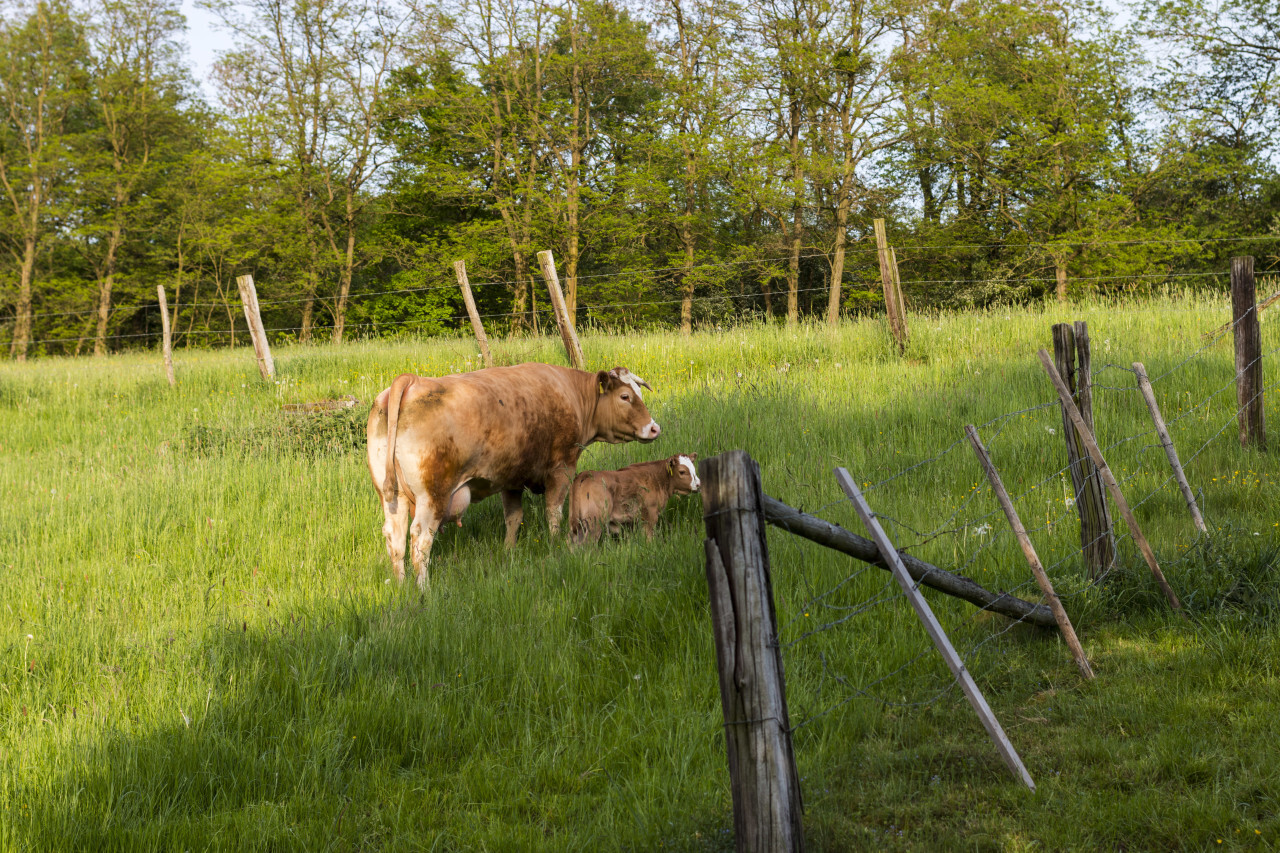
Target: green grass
199, 648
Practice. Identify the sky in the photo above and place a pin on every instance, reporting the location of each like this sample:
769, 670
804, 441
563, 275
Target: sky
204, 42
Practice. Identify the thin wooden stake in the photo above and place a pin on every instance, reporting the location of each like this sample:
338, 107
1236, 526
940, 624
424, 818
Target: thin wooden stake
899, 300
261, 349
1244, 313
460, 270
954, 662
164, 330
1189, 496
1029, 551
1061, 273
563, 320
887, 284
1086, 438
757, 729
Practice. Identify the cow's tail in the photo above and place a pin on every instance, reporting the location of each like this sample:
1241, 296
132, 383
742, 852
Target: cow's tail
390, 486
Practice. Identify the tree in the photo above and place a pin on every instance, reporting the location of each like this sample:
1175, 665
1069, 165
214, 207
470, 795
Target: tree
320, 69
138, 90
43, 82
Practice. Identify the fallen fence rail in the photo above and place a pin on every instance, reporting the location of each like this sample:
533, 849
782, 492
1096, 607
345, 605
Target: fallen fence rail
837, 538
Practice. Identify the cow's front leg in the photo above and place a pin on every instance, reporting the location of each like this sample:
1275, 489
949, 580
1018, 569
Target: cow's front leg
513, 509
557, 490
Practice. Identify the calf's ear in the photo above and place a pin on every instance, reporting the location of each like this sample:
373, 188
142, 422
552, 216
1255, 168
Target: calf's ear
602, 381
671, 465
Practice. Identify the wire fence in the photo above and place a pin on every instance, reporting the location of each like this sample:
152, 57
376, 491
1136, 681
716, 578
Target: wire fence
972, 537
652, 286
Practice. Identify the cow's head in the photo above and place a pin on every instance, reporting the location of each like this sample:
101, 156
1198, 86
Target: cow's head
684, 471
621, 414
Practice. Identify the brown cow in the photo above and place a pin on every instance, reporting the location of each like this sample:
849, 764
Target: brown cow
436, 444
600, 499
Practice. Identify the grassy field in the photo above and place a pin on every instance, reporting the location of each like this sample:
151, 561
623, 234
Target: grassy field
200, 647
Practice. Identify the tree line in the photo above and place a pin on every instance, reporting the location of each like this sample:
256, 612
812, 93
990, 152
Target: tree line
688, 161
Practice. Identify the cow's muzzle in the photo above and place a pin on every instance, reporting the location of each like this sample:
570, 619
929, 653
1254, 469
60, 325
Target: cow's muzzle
650, 431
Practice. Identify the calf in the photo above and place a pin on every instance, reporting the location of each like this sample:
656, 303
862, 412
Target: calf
636, 493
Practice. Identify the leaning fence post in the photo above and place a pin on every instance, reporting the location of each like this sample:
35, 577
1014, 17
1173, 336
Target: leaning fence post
1029, 551
1244, 313
1086, 437
460, 270
567, 333
167, 341
888, 276
1072, 356
1144, 385
757, 728
261, 349
940, 640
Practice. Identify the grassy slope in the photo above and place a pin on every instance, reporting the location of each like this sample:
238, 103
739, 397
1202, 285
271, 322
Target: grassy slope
198, 649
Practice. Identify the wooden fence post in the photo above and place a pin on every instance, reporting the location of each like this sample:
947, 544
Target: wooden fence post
954, 662
1086, 437
563, 320
1144, 385
261, 349
899, 300
888, 283
1029, 551
1097, 538
757, 728
460, 270
1244, 311
1061, 273
164, 330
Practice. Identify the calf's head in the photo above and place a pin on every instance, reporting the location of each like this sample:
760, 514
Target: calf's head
621, 414
683, 470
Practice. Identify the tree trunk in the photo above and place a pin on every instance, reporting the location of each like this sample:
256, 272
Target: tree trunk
837, 263
104, 292
348, 266
22, 325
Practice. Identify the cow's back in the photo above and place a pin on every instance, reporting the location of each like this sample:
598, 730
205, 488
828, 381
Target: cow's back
506, 426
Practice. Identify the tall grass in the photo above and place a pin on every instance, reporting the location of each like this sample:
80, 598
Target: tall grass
200, 648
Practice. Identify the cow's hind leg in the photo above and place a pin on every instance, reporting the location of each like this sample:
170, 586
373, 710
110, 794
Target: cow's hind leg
394, 523
421, 534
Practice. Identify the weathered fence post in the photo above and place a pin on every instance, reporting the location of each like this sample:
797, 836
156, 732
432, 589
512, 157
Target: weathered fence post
1072, 356
460, 270
940, 640
892, 289
1244, 313
1029, 551
1144, 385
1086, 437
563, 320
261, 349
167, 340
1061, 274
757, 728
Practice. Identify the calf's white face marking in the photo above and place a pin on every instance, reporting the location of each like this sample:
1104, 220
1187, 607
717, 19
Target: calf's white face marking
693, 472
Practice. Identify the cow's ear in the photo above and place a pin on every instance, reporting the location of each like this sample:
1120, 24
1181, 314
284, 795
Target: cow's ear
693, 457
671, 465
602, 381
